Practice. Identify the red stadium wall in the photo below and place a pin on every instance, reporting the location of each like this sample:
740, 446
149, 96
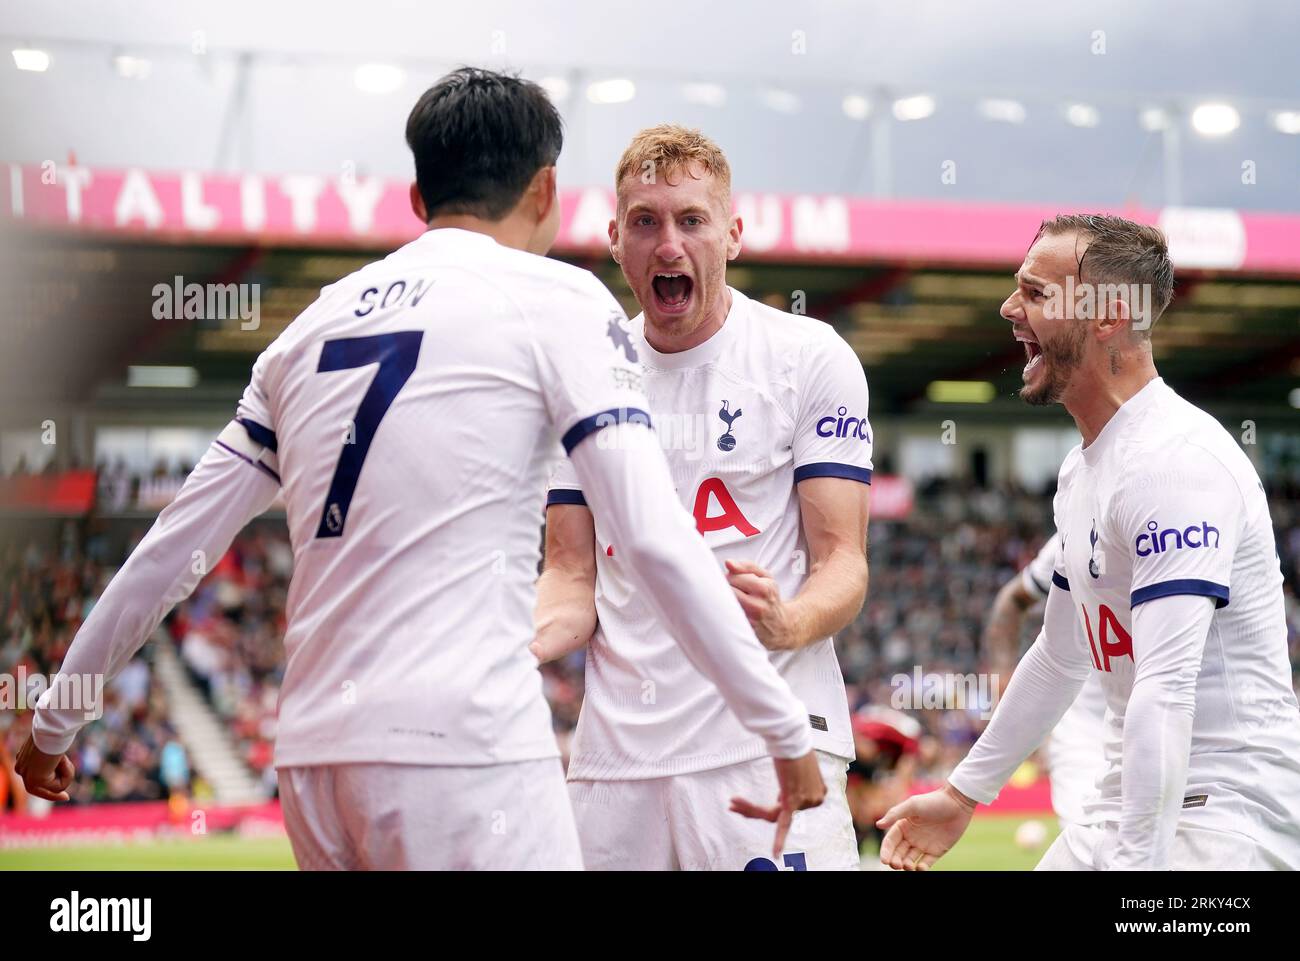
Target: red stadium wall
118, 823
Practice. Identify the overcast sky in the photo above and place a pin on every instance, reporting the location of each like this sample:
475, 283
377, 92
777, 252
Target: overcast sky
301, 110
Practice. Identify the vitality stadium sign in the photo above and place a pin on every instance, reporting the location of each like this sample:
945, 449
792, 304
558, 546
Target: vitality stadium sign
374, 213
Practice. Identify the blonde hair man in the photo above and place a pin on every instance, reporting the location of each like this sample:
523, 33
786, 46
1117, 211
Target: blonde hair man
763, 417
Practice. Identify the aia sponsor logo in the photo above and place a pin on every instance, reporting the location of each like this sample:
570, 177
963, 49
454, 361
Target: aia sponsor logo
713, 491
1110, 641
714, 509
1193, 537
840, 425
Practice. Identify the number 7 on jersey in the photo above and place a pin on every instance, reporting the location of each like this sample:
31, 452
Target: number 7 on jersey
396, 355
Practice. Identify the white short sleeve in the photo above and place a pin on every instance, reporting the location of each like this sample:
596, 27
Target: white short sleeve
1180, 525
1064, 479
1037, 575
564, 487
255, 410
832, 436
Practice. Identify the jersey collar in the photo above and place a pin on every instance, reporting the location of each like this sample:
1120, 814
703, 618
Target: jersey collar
1128, 410
457, 235
701, 354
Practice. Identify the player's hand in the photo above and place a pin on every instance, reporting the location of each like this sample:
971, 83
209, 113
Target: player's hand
44, 775
547, 649
923, 828
800, 780
760, 597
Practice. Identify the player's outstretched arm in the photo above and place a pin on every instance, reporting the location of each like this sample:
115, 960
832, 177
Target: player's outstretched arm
1045, 684
232, 484
565, 617
923, 828
588, 373
628, 486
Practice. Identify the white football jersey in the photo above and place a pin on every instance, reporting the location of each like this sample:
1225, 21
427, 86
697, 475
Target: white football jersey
1089, 707
770, 399
1165, 503
1074, 750
413, 409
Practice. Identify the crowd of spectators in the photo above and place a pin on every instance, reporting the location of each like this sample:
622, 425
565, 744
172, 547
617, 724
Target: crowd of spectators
120, 489
131, 752
933, 580
230, 637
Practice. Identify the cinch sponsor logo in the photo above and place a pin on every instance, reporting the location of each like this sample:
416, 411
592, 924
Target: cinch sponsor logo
1173, 539
841, 426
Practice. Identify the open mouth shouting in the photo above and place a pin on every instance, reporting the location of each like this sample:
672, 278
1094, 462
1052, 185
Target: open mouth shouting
672, 292
1033, 352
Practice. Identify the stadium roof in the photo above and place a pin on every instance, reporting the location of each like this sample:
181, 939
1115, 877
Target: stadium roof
87, 312
943, 130
1001, 100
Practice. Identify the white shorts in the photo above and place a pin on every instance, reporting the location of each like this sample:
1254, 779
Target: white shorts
392, 817
683, 822
1090, 847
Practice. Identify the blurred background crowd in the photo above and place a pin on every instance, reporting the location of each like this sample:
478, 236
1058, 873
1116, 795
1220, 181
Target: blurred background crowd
934, 576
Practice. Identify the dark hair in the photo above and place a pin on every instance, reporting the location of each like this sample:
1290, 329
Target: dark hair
479, 138
1120, 251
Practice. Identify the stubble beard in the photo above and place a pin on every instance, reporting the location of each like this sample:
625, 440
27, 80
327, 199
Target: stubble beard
1059, 362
